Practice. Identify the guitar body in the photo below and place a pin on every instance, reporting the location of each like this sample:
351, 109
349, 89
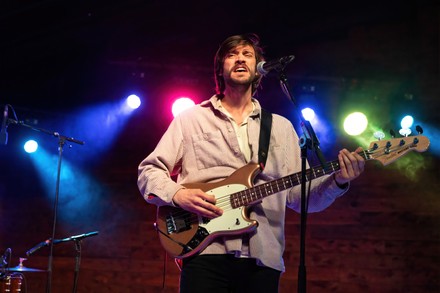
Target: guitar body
183, 234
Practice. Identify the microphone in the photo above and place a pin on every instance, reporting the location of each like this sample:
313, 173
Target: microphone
38, 246
76, 237
264, 67
81, 236
4, 132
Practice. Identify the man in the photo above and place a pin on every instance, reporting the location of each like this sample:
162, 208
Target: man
207, 144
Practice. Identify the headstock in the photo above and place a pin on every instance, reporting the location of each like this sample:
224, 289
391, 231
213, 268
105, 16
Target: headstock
387, 151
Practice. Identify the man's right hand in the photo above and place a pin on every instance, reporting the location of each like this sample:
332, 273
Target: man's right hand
198, 202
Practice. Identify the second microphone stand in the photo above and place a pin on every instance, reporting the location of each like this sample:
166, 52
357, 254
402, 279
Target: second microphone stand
77, 240
308, 141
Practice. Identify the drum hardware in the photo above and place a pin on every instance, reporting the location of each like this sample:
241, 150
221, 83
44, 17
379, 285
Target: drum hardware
22, 268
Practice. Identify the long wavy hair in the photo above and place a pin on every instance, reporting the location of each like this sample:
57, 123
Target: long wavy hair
225, 47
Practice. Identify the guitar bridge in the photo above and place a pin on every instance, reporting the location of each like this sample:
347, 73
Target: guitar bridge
178, 222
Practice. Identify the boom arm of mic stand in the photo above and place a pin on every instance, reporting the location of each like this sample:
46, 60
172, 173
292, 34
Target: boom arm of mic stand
53, 133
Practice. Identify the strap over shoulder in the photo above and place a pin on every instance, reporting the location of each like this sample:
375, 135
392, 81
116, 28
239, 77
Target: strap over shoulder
265, 129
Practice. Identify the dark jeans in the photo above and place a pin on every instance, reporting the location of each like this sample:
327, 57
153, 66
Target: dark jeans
227, 274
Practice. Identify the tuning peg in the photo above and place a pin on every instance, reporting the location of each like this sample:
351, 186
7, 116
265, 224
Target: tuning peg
419, 129
393, 134
379, 135
405, 132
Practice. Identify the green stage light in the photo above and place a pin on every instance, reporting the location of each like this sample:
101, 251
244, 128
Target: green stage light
355, 123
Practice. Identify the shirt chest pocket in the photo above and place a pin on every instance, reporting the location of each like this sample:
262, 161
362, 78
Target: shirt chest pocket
210, 149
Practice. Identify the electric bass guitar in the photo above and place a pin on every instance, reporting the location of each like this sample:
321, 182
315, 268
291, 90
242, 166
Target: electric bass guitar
183, 234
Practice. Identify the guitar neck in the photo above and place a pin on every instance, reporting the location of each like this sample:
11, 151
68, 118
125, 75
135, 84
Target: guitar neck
256, 193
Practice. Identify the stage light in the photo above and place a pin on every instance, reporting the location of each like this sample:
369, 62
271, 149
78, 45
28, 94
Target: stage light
30, 146
407, 122
355, 123
133, 101
181, 104
308, 114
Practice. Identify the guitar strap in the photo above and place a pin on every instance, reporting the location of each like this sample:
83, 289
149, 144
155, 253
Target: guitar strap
265, 128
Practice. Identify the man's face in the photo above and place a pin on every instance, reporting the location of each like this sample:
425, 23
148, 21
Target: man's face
239, 67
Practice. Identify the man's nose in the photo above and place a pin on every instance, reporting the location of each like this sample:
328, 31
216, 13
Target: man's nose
240, 58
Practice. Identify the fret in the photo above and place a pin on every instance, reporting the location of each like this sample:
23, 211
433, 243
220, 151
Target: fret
259, 192
234, 201
313, 172
274, 186
264, 188
250, 197
297, 177
246, 198
332, 167
287, 182
270, 189
240, 199
320, 171
366, 155
277, 184
292, 182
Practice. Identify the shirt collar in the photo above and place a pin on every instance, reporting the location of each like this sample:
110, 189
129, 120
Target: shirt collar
215, 101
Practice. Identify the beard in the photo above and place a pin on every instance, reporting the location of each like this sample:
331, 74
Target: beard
233, 82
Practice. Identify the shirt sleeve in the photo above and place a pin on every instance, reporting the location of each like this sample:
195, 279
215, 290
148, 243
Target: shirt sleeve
155, 172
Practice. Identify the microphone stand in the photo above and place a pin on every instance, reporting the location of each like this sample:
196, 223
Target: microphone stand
308, 140
77, 239
77, 264
61, 141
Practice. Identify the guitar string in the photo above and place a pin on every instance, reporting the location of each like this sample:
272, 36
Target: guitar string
224, 201
274, 185
366, 154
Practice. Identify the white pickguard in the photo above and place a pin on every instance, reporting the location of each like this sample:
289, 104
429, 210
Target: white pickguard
232, 219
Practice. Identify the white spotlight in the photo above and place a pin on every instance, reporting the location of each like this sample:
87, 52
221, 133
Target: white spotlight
30, 146
133, 101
